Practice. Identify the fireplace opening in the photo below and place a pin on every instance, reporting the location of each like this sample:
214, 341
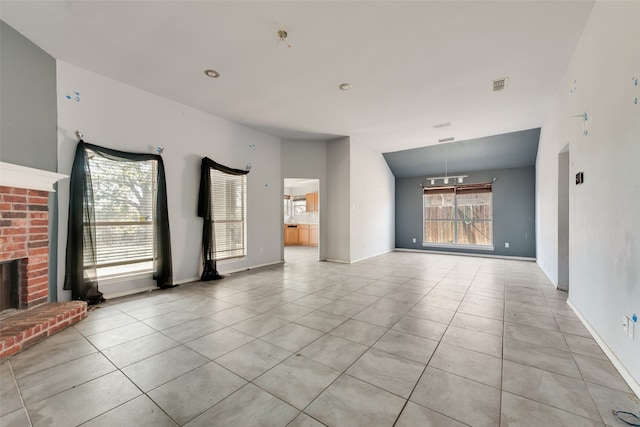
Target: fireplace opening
9, 285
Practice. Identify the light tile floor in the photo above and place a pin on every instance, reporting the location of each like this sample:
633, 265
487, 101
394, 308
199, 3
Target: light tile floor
403, 339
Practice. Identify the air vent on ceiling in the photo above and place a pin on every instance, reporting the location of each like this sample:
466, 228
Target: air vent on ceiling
498, 85
447, 139
442, 125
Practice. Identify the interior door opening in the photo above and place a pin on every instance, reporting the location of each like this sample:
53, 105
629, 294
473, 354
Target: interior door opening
301, 217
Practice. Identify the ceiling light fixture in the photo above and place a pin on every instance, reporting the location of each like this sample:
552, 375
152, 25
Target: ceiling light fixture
212, 73
345, 86
446, 177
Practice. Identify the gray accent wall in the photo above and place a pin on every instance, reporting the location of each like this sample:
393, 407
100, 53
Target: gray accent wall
513, 212
504, 151
28, 118
28, 112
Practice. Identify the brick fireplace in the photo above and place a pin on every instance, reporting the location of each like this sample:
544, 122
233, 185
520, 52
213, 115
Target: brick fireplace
28, 317
24, 238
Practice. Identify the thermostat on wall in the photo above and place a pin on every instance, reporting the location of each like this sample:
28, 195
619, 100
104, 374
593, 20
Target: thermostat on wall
579, 178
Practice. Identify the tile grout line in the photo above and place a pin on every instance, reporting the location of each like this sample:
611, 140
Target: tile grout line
15, 381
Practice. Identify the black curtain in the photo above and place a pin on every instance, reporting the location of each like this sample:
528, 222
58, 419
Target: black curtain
80, 274
205, 210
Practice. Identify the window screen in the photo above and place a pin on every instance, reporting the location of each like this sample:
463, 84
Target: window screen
228, 198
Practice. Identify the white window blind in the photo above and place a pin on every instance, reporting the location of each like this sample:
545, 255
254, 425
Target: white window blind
228, 198
124, 194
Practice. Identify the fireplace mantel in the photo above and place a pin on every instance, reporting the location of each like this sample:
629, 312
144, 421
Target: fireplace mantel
29, 178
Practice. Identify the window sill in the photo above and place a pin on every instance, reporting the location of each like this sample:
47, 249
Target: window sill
232, 260
106, 279
452, 246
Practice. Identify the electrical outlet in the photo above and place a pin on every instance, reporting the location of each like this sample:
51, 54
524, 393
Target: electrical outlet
414, 240
625, 324
506, 245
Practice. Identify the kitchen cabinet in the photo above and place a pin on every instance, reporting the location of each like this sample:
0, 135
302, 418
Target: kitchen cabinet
303, 234
312, 202
313, 235
291, 235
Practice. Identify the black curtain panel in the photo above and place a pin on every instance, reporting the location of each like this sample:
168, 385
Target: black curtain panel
205, 210
80, 273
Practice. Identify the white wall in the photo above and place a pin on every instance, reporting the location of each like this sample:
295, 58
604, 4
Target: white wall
604, 212
338, 198
307, 159
118, 116
372, 213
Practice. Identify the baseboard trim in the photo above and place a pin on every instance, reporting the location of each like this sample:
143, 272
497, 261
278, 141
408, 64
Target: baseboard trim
189, 280
633, 384
547, 276
253, 267
373, 256
426, 251
108, 296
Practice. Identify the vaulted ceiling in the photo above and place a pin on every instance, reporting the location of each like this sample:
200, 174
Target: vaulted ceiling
412, 65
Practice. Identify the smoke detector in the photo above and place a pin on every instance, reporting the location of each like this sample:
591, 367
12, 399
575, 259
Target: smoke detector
500, 84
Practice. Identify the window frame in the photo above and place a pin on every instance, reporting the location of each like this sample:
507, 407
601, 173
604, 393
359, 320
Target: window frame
456, 190
127, 267
219, 254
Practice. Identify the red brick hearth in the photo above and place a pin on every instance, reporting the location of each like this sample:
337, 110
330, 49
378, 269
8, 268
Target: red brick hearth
28, 317
28, 327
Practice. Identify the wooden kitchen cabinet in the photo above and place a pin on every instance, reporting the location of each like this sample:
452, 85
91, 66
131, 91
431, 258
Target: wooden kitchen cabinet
303, 234
291, 235
312, 202
313, 235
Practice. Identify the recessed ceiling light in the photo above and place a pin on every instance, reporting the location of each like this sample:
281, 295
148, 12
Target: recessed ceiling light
345, 86
212, 73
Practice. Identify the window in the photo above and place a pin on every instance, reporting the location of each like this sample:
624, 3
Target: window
458, 216
287, 207
299, 205
124, 195
228, 205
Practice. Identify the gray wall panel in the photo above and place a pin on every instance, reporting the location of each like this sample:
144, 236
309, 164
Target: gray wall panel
513, 207
28, 119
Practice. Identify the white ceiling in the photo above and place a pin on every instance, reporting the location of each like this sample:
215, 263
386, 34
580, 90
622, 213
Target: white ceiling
412, 64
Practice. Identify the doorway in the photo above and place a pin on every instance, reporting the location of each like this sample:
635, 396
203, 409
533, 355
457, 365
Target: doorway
301, 215
564, 184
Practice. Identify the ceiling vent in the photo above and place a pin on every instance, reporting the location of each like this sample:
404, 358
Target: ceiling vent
447, 139
498, 85
442, 125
